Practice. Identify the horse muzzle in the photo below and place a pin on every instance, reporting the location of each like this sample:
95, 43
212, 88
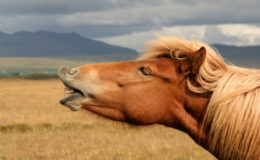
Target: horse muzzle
73, 94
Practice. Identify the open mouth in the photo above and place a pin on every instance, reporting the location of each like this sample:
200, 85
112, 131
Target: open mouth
72, 98
69, 90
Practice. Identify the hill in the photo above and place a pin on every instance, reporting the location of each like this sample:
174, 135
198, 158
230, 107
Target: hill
51, 44
248, 56
238, 52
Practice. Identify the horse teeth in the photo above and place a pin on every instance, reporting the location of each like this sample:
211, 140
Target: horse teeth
68, 90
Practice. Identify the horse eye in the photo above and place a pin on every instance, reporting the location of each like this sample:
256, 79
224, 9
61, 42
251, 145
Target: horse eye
180, 55
146, 71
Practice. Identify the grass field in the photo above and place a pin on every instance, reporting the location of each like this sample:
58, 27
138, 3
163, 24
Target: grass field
34, 126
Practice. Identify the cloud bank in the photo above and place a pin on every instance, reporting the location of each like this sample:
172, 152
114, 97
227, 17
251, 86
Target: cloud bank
109, 20
232, 34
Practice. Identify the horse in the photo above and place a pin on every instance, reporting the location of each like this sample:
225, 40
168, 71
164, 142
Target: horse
179, 83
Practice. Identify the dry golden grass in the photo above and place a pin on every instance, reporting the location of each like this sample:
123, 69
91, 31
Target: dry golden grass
34, 126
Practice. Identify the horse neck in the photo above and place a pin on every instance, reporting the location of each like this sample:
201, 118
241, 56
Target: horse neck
195, 106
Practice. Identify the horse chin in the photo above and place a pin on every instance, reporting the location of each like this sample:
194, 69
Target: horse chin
73, 101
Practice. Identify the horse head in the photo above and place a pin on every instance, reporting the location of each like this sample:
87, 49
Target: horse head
171, 84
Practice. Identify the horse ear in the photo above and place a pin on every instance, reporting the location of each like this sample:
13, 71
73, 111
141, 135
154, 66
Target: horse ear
198, 59
190, 63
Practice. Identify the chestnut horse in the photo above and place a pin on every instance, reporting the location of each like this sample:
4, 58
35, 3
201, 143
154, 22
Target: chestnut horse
178, 83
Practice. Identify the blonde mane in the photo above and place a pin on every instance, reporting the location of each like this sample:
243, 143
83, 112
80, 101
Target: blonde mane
233, 113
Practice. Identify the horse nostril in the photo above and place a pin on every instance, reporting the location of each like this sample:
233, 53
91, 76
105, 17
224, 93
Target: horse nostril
73, 72
65, 72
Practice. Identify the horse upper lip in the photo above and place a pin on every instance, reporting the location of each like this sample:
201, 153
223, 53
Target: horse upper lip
62, 73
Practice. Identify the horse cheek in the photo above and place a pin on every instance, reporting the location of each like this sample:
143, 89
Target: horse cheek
141, 110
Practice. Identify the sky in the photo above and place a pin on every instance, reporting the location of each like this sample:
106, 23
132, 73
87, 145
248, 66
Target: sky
131, 23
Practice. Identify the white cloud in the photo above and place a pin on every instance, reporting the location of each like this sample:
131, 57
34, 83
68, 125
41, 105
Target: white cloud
235, 34
248, 34
137, 40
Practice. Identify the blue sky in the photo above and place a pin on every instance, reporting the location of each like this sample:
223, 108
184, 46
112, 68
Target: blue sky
132, 22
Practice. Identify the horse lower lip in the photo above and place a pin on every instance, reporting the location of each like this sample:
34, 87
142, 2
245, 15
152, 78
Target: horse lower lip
71, 97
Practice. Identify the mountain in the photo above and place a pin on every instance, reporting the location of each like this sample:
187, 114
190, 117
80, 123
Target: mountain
238, 52
51, 44
63, 45
245, 56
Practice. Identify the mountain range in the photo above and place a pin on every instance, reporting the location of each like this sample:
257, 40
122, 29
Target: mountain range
238, 52
62, 45
51, 44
